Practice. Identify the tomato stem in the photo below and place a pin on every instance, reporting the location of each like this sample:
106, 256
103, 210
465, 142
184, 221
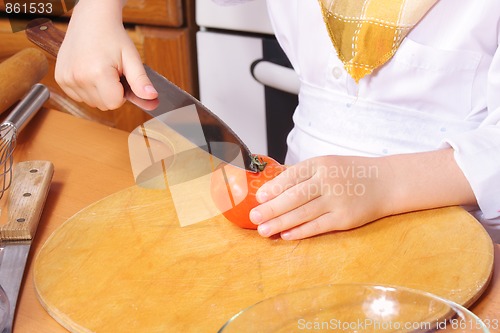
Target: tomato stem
257, 164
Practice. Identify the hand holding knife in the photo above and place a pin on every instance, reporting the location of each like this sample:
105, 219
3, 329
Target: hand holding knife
218, 139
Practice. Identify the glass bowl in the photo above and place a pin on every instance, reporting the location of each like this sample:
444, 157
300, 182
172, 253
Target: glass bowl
355, 308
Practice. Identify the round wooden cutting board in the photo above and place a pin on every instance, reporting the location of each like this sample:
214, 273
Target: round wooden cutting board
124, 264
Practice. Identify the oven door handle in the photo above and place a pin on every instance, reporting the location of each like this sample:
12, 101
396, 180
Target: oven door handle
275, 76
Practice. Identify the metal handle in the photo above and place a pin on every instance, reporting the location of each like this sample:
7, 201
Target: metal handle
28, 106
276, 76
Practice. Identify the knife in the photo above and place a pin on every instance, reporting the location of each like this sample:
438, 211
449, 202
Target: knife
215, 137
27, 195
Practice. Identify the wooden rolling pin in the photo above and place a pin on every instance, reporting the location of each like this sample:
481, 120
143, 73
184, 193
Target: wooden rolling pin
19, 73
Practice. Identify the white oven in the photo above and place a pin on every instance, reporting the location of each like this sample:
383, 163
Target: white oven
244, 76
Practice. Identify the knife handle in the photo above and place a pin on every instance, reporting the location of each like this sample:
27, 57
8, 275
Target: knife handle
43, 33
29, 189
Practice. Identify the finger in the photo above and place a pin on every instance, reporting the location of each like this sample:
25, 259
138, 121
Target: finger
72, 94
287, 201
320, 225
109, 90
99, 88
82, 86
65, 82
300, 215
136, 76
146, 104
338, 220
90, 98
290, 177
84, 96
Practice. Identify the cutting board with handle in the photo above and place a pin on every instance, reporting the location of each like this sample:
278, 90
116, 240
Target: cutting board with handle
124, 264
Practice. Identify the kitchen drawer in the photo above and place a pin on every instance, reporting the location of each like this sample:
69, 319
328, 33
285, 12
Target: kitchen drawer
167, 50
155, 12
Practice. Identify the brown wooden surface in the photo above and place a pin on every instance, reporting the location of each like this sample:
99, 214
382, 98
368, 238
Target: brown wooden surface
126, 255
91, 162
158, 12
155, 12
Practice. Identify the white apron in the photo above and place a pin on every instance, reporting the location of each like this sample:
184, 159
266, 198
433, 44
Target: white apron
397, 111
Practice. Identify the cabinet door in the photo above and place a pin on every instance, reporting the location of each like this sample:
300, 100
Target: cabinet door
155, 12
166, 50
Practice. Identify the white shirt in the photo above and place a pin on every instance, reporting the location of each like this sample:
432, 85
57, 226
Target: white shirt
442, 88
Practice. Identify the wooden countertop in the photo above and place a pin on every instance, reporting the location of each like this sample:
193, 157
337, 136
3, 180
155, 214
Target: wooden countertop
91, 162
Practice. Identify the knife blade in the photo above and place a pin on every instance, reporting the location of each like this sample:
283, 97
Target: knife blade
27, 196
215, 137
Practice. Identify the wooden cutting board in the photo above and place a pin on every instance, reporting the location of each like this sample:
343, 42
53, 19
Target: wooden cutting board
124, 264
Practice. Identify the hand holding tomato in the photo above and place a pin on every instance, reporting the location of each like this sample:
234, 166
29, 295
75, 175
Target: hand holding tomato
329, 193
233, 189
322, 194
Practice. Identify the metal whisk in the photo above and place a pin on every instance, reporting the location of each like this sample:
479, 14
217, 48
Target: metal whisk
12, 125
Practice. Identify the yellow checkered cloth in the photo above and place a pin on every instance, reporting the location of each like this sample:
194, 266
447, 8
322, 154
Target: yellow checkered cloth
367, 33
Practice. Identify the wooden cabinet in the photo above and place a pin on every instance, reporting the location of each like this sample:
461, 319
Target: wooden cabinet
164, 33
157, 12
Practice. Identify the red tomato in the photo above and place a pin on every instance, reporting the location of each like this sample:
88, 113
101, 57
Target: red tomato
233, 189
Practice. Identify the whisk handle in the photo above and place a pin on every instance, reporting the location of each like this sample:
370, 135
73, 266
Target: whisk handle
28, 106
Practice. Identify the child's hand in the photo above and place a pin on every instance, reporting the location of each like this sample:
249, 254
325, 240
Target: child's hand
342, 192
320, 195
96, 52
